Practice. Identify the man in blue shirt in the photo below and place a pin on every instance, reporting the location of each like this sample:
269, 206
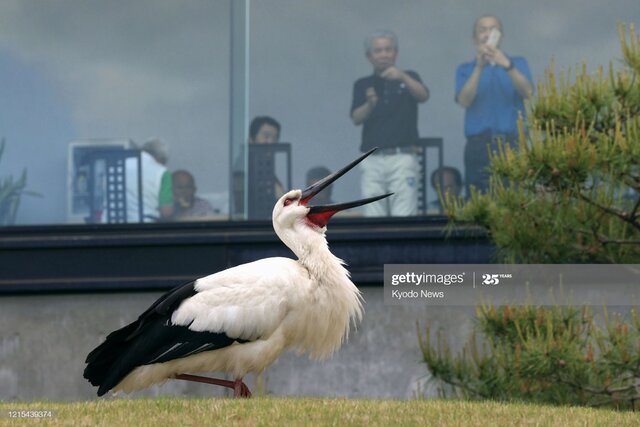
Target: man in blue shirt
492, 89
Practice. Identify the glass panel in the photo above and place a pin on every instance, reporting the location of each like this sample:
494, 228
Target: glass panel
306, 56
239, 104
80, 77
84, 77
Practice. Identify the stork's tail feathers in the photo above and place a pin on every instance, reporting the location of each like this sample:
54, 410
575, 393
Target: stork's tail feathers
101, 360
105, 363
152, 339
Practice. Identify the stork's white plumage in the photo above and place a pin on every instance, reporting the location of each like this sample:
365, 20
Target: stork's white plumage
241, 319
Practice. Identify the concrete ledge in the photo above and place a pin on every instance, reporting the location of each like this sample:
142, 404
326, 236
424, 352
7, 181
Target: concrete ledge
46, 338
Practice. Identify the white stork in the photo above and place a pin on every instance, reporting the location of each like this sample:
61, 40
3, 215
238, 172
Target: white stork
241, 319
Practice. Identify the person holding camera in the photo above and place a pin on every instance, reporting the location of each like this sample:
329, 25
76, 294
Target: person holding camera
386, 105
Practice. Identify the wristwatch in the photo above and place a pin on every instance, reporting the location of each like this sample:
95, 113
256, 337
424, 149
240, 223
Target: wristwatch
510, 66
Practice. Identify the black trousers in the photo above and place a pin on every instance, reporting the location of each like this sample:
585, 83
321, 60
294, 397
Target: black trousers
476, 158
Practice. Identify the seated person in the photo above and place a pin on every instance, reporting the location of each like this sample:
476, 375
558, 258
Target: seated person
448, 180
187, 205
314, 175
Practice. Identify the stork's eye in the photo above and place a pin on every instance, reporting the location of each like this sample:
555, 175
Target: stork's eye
287, 202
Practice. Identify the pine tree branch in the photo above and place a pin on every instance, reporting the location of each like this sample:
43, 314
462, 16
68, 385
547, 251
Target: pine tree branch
604, 391
463, 386
624, 216
618, 242
601, 238
634, 211
634, 182
604, 402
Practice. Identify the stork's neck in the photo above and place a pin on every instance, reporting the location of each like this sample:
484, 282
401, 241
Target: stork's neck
335, 300
313, 253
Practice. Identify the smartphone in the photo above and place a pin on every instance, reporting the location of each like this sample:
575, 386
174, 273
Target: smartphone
494, 37
493, 40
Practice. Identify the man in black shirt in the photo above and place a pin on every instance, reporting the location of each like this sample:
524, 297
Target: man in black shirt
386, 104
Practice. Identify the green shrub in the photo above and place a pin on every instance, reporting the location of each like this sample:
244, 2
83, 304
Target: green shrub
11, 192
555, 355
568, 194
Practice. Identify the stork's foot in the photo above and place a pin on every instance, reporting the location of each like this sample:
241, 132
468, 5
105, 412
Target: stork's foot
240, 389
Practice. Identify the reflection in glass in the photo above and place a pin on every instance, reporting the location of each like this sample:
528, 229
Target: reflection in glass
194, 73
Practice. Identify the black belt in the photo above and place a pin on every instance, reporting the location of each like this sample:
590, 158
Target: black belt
490, 136
395, 150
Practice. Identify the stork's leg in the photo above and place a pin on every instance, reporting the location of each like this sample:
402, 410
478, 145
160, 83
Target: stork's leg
240, 389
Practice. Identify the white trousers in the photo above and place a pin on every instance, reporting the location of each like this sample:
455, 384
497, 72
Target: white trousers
391, 173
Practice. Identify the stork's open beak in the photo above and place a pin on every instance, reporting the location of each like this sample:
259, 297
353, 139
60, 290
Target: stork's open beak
320, 215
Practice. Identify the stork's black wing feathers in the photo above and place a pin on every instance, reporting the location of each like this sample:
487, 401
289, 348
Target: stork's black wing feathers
163, 305
150, 339
158, 341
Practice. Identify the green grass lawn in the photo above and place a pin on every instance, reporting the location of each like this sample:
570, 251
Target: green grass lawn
309, 411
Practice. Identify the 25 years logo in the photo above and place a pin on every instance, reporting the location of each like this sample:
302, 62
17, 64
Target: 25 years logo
490, 279
494, 279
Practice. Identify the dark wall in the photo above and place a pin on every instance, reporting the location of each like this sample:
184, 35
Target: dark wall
160, 256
